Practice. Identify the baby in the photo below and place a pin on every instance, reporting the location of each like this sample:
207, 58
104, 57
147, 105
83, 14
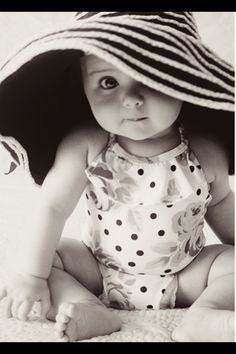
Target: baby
148, 186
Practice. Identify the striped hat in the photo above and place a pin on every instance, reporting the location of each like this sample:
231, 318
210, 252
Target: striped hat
162, 50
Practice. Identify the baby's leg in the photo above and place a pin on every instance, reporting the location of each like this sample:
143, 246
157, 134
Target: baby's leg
79, 314
207, 284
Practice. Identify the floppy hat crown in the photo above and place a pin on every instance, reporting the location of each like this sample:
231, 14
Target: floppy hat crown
163, 50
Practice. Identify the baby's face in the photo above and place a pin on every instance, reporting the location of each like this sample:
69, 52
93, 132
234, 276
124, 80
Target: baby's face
124, 106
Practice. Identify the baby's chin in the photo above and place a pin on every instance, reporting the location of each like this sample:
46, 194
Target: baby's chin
136, 137
139, 135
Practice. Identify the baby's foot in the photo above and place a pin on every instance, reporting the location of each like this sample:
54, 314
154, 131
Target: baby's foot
205, 324
85, 320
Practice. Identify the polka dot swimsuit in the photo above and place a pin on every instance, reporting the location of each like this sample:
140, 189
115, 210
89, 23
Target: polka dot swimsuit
145, 220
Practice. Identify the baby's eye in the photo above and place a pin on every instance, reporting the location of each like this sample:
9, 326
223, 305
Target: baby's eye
108, 83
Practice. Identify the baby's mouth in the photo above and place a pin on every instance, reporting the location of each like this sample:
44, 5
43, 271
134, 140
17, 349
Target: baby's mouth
136, 119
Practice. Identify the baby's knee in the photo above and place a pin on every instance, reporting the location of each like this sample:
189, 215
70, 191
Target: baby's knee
65, 251
223, 263
57, 261
226, 257
68, 246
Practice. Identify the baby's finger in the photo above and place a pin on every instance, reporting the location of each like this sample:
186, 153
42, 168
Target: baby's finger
8, 304
3, 293
45, 307
24, 310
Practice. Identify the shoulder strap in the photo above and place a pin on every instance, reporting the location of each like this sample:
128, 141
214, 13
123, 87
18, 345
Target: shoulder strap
183, 136
112, 139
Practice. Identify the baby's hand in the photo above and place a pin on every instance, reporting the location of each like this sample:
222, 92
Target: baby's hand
21, 292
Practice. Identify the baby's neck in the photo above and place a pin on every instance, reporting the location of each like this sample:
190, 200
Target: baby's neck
153, 146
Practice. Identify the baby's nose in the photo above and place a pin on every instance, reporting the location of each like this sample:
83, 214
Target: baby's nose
132, 100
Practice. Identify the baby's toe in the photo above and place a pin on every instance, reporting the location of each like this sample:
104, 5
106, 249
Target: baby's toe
62, 318
67, 309
59, 334
64, 339
60, 326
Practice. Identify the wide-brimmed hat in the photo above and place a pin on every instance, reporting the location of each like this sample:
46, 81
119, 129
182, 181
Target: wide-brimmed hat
41, 94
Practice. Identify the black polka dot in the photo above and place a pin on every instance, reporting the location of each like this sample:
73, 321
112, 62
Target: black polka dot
192, 168
169, 205
208, 196
152, 184
140, 253
106, 232
143, 289
118, 248
199, 167
141, 273
89, 212
134, 236
161, 232
162, 275
87, 196
167, 271
99, 217
149, 307
173, 168
131, 264
140, 171
153, 215
163, 291
140, 203
199, 191
118, 222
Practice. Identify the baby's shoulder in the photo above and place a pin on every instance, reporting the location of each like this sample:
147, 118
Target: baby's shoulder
86, 142
97, 140
210, 154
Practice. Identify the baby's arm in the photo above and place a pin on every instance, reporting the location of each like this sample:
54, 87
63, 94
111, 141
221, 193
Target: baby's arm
58, 197
220, 213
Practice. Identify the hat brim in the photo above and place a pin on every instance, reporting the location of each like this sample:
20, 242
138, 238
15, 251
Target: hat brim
41, 95
39, 104
172, 65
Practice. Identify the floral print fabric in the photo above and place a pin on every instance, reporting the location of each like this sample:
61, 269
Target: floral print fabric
146, 218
